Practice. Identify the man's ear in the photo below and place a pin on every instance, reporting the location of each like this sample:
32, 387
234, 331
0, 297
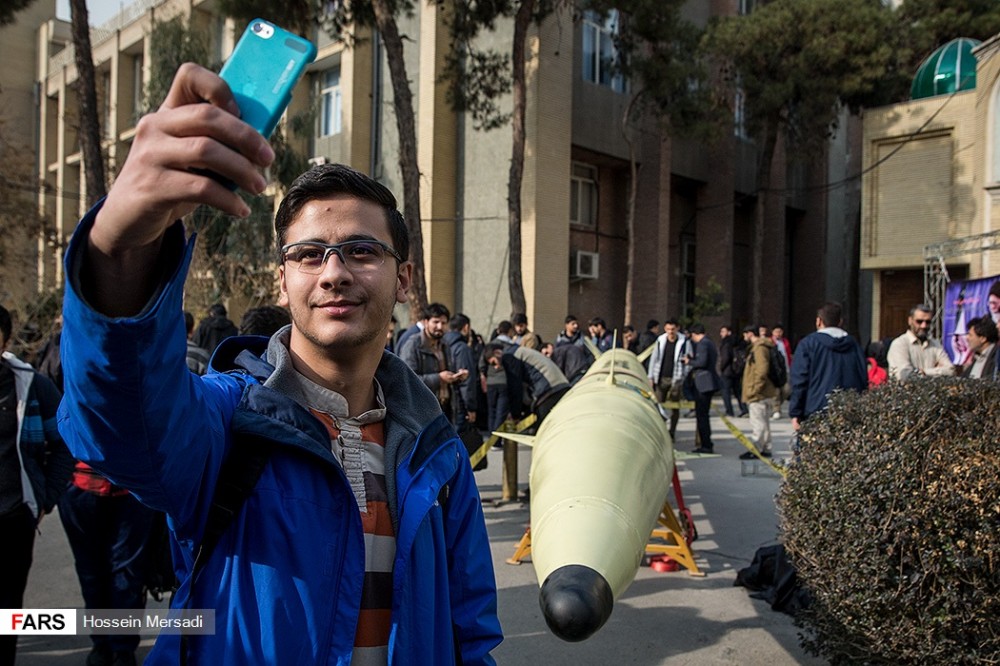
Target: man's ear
404, 276
282, 288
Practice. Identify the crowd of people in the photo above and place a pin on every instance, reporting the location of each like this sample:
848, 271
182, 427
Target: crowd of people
474, 381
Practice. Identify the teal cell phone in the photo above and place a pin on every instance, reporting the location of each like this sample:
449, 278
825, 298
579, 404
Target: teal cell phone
262, 70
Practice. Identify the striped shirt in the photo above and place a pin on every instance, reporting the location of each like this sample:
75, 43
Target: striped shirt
359, 444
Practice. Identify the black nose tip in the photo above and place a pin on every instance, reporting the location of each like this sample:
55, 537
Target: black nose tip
576, 602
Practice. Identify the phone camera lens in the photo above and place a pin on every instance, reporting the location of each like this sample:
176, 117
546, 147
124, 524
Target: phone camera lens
257, 27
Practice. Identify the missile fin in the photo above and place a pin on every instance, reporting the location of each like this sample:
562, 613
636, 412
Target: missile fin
646, 353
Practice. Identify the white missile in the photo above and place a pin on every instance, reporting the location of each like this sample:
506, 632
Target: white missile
601, 470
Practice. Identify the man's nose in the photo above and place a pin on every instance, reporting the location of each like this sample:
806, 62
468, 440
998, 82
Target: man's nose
335, 268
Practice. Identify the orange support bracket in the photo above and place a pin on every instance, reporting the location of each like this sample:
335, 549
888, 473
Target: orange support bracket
670, 540
523, 548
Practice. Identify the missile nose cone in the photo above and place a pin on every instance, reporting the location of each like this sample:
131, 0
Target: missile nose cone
576, 602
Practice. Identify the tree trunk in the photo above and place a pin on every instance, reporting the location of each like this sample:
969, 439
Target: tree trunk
86, 89
406, 126
522, 21
769, 142
632, 271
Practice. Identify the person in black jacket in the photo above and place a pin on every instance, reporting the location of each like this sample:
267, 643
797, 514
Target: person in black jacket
35, 466
706, 383
726, 368
465, 394
214, 329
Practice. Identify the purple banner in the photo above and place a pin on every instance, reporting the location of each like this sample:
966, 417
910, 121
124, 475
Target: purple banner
965, 300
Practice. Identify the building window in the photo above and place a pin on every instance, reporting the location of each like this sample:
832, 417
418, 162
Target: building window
138, 88
687, 277
599, 52
105, 94
740, 113
583, 195
746, 6
331, 103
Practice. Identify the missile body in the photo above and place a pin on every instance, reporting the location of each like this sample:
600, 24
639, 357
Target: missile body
601, 469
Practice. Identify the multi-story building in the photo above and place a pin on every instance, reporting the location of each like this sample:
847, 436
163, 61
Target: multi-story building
932, 180
695, 203
19, 130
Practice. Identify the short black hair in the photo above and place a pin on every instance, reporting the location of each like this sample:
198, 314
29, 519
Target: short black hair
597, 321
519, 318
504, 327
697, 327
670, 321
217, 310
652, 323
331, 179
750, 328
437, 310
831, 314
985, 328
264, 320
570, 318
492, 348
6, 325
458, 322
188, 321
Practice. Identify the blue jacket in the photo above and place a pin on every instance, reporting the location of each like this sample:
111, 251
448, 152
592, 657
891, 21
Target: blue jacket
826, 360
285, 579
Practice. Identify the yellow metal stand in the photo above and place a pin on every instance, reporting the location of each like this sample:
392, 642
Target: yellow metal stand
523, 549
670, 532
674, 545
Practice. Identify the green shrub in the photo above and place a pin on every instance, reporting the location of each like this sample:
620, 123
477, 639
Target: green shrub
891, 515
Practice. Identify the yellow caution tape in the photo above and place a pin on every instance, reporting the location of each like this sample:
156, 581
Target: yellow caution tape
506, 426
745, 441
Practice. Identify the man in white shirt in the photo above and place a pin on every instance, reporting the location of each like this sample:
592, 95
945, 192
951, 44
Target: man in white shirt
916, 353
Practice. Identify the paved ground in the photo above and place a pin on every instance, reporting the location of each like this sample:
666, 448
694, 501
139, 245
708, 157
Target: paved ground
663, 618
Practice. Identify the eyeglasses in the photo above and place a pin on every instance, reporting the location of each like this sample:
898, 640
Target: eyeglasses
357, 255
920, 322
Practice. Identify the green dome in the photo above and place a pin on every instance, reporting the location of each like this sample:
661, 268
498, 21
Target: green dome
949, 69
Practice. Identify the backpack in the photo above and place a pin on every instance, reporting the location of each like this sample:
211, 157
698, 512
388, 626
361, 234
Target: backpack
739, 360
777, 373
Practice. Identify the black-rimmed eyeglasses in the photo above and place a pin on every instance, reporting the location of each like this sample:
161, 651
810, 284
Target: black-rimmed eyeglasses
357, 255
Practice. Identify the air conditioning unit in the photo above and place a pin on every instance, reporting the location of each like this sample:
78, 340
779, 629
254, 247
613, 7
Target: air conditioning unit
319, 160
584, 265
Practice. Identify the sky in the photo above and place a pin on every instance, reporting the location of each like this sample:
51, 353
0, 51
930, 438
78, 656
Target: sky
99, 10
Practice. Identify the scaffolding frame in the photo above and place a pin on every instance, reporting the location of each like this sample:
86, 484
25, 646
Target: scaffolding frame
936, 276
